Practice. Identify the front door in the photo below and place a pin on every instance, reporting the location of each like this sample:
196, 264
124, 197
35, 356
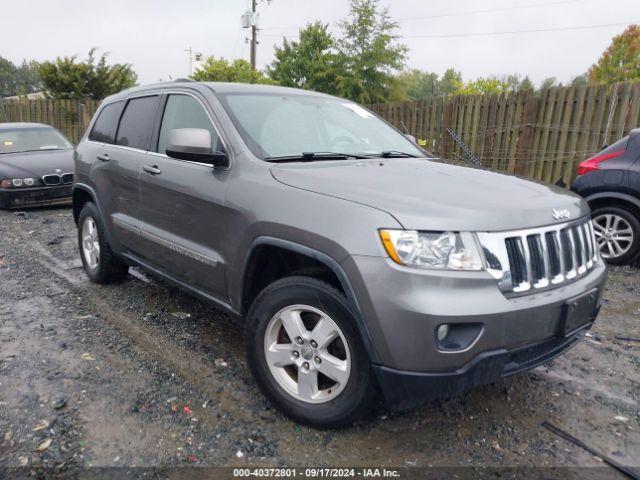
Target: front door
183, 204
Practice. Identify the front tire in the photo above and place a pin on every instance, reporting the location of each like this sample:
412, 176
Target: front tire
617, 232
100, 263
306, 353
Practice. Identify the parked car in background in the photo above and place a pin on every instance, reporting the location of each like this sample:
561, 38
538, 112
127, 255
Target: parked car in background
610, 182
359, 264
36, 166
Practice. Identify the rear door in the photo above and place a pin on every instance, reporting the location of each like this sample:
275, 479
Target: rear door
114, 179
183, 203
120, 162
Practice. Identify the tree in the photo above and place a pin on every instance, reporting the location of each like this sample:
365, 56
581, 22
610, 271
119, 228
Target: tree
222, 70
7, 78
621, 61
451, 82
311, 63
526, 85
516, 83
94, 78
370, 54
419, 85
29, 80
18, 80
484, 85
580, 80
548, 83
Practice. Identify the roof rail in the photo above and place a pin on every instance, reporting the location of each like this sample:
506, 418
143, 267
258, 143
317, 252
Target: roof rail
181, 80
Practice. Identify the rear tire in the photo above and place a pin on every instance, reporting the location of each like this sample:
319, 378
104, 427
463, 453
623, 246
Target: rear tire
321, 377
617, 232
100, 263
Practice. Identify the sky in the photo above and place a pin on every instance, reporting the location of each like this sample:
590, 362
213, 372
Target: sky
153, 35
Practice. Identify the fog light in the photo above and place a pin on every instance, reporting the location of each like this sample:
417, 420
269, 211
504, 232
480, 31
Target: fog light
442, 332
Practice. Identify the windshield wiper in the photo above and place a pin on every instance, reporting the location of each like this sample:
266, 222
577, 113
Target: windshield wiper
395, 153
312, 156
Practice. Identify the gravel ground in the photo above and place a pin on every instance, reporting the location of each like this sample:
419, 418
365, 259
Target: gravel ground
141, 374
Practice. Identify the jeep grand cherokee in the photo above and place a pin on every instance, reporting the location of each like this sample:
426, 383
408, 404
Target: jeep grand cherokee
359, 264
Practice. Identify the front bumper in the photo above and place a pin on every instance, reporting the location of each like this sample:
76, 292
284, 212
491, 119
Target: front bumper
403, 307
35, 197
403, 390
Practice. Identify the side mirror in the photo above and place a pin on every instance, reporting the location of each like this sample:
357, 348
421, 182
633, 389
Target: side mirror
194, 144
411, 137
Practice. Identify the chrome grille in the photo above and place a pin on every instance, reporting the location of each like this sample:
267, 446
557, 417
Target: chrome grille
56, 179
540, 258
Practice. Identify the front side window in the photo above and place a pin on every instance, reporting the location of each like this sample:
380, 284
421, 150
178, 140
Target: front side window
184, 111
274, 125
136, 123
14, 140
104, 128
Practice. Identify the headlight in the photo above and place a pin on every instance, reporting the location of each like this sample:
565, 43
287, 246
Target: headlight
444, 250
20, 182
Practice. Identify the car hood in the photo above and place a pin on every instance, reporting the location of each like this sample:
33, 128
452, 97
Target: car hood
35, 164
428, 195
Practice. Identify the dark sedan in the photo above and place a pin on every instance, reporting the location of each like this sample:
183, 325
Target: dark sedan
36, 166
610, 182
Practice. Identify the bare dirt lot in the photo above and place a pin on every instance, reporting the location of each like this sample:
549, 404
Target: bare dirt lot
140, 374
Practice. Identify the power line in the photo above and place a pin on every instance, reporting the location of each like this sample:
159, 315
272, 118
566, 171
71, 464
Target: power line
458, 14
513, 32
489, 10
292, 35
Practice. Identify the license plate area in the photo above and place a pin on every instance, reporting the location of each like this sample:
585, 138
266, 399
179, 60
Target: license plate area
578, 312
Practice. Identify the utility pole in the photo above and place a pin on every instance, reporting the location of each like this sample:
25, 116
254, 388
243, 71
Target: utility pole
190, 52
254, 35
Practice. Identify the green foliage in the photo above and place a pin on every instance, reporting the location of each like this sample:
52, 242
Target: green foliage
580, 80
94, 78
483, 85
621, 61
222, 70
312, 63
419, 85
548, 83
526, 85
451, 82
494, 84
18, 80
370, 54
361, 64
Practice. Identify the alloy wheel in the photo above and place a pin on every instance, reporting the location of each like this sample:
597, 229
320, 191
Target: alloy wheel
90, 243
307, 354
614, 235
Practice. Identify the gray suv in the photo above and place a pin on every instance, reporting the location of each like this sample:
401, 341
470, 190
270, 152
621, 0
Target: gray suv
361, 267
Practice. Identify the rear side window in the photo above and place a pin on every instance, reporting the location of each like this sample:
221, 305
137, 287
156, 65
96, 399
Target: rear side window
619, 146
136, 123
184, 111
104, 128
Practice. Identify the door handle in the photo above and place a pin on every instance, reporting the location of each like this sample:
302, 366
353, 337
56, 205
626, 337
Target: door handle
103, 157
152, 169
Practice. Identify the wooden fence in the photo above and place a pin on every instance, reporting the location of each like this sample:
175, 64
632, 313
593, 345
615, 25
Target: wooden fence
544, 137
71, 117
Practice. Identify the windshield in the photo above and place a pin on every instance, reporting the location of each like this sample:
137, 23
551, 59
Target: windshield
15, 140
277, 125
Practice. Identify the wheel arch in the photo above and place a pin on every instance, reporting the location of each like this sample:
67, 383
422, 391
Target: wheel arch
252, 281
82, 194
614, 199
